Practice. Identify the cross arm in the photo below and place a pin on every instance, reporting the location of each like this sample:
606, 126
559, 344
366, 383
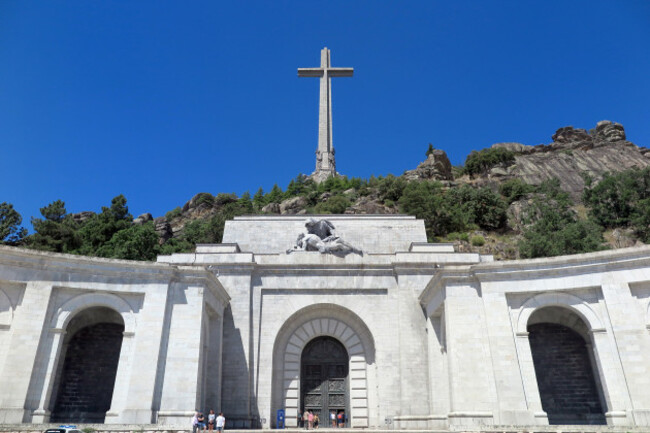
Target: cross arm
310, 72
340, 72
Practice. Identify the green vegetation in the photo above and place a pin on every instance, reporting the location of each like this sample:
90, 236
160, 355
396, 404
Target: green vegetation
11, 233
515, 189
478, 241
453, 210
174, 213
482, 161
554, 228
337, 204
551, 226
621, 200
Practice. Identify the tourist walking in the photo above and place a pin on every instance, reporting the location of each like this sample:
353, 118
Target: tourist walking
305, 419
316, 420
333, 418
221, 422
311, 420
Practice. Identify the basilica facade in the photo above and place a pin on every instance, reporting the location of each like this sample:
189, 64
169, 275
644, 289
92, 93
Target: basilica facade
366, 319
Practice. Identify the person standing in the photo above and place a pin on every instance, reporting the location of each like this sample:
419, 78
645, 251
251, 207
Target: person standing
311, 420
195, 421
200, 421
221, 422
316, 420
333, 418
305, 419
211, 419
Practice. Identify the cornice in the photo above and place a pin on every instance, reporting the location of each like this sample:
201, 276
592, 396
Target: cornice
578, 264
17, 257
601, 261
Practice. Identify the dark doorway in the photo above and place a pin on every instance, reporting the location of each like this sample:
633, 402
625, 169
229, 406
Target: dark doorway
565, 376
324, 378
86, 380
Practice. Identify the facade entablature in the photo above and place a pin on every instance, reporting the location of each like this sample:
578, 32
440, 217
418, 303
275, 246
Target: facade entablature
566, 273
30, 265
198, 276
202, 259
628, 265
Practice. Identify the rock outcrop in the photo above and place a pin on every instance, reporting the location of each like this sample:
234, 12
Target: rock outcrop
271, 208
573, 153
293, 206
142, 219
163, 228
435, 167
369, 206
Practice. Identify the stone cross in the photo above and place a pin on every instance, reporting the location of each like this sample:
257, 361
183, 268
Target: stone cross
325, 164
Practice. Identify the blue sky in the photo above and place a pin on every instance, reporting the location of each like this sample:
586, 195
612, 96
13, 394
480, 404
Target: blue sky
161, 100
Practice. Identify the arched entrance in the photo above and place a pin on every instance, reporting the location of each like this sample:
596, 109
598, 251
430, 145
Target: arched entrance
563, 359
86, 377
301, 328
324, 378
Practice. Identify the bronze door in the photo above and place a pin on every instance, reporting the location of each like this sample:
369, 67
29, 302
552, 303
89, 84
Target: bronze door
324, 378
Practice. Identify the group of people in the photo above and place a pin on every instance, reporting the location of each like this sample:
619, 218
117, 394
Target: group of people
200, 423
311, 420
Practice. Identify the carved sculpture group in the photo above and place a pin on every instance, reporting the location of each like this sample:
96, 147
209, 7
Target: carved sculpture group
320, 237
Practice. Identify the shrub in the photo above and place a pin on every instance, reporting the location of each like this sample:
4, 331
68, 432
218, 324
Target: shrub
482, 161
617, 200
555, 229
174, 213
514, 189
391, 187
478, 241
204, 198
337, 204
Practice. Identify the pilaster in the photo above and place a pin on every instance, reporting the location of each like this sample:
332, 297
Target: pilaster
512, 407
470, 361
181, 391
28, 325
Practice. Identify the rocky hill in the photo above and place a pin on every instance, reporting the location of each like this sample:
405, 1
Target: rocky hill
572, 154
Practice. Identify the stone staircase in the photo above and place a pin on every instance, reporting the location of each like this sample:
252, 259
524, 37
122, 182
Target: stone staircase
154, 428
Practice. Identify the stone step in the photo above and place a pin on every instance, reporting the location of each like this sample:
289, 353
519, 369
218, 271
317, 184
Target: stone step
155, 428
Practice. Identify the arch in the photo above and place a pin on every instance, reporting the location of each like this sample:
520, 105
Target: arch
73, 306
563, 300
565, 367
319, 320
90, 359
6, 310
